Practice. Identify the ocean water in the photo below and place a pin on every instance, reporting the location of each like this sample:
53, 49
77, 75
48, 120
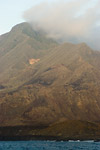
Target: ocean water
49, 145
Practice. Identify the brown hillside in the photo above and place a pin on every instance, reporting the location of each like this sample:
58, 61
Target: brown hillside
62, 84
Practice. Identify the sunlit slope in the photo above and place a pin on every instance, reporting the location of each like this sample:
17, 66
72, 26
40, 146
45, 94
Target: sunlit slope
63, 85
17, 47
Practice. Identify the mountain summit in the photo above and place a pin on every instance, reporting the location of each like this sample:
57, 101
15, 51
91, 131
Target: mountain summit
17, 48
43, 82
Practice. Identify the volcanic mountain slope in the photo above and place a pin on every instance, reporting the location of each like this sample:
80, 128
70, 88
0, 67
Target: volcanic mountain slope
64, 84
17, 48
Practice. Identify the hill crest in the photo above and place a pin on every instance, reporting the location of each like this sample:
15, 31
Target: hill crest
63, 80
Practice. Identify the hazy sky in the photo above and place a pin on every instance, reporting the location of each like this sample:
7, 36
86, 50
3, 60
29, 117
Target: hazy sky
11, 12
69, 20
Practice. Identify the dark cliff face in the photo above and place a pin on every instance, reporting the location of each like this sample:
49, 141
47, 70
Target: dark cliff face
64, 84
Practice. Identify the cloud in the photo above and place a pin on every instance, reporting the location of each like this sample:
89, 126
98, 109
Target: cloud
74, 21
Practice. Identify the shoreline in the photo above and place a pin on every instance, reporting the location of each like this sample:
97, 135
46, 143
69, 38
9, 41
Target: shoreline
83, 132
46, 138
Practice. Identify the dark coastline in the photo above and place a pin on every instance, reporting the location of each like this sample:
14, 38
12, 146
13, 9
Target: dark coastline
44, 138
26, 138
25, 133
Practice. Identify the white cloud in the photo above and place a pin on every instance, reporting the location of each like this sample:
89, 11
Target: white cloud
74, 20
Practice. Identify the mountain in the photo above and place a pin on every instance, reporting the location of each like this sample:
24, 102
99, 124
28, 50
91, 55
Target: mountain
47, 84
17, 47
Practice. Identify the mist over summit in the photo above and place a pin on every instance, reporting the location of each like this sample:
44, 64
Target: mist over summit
68, 21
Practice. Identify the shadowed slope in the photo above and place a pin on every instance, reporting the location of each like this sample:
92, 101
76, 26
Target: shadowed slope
61, 83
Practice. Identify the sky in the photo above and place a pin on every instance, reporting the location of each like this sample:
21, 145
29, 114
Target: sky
73, 21
11, 12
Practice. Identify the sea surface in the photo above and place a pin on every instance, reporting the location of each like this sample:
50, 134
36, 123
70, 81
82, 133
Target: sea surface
49, 145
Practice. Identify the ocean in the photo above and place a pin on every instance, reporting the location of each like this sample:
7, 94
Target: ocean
49, 145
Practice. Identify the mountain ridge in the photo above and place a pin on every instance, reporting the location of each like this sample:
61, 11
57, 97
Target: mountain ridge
63, 84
